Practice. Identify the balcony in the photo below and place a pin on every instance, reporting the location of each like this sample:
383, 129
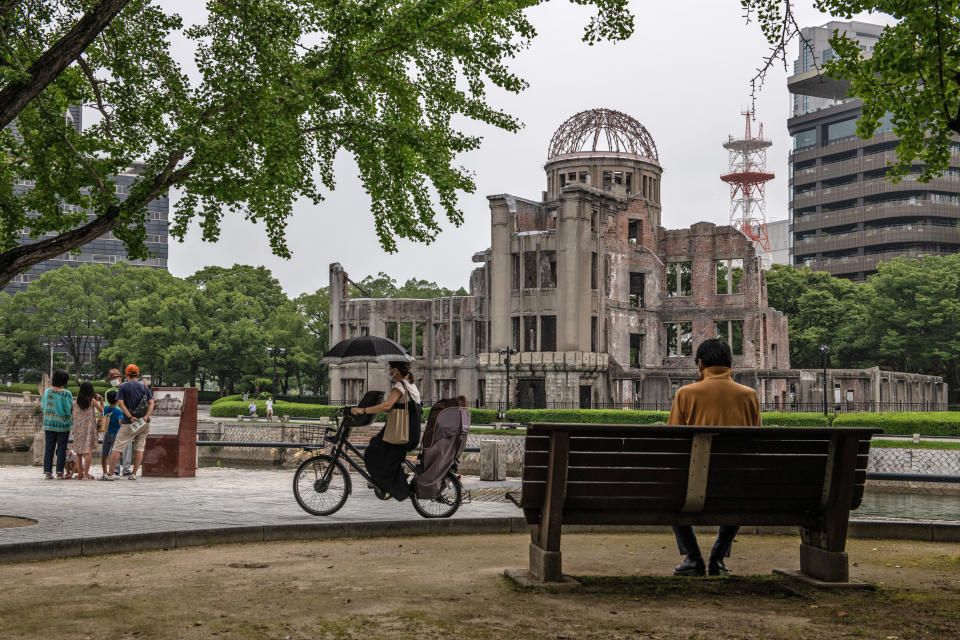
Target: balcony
860, 264
875, 186
884, 235
878, 211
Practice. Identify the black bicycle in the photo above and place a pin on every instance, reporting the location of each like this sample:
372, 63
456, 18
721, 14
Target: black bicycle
322, 483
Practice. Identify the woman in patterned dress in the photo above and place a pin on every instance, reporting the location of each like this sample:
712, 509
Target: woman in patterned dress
86, 408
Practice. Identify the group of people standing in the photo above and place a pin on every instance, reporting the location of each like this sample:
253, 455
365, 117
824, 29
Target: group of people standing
127, 408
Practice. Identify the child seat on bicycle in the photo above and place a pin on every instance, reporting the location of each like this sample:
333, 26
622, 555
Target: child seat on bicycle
444, 440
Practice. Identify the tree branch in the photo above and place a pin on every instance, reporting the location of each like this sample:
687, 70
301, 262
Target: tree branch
15, 96
95, 84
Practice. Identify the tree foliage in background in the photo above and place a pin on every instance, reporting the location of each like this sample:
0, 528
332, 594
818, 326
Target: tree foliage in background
913, 74
284, 86
906, 317
383, 286
215, 325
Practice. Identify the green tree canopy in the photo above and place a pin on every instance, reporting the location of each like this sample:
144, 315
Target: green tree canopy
284, 85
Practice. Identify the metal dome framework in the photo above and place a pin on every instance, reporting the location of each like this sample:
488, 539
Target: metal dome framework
586, 131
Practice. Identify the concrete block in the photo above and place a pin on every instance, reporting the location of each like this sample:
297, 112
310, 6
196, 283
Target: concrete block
493, 460
946, 532
312, 531
219, 535
124, 543
545, 566
830, 566
523, 578
41, 550
388, 528
450, 526
890, 529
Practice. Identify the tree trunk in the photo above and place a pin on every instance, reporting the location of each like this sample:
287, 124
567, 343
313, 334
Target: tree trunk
17, 95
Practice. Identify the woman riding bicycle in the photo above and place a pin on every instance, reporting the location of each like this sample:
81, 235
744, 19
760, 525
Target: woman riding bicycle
384, 461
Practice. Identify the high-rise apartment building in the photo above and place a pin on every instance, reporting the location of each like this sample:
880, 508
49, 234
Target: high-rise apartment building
106, 249
845, 215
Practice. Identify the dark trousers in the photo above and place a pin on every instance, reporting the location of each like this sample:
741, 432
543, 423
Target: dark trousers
56, 440
687, 541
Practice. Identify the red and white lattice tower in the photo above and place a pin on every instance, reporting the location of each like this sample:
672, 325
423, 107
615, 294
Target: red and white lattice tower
747, 176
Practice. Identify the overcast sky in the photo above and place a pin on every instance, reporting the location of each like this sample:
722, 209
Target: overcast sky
684, 75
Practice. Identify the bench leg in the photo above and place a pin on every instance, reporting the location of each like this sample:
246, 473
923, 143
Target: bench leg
829, 566
545, 566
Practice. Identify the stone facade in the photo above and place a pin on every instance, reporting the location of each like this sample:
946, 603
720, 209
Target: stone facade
603, 304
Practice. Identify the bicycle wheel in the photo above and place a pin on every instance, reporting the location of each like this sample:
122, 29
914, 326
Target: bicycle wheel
318, 495
446, 502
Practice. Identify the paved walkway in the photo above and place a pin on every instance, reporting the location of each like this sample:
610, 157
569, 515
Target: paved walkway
216, 498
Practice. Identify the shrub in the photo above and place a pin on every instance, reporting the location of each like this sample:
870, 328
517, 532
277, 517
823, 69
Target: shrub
790, 419
234, 398
596, 416
927, 423
233, 406
477, 416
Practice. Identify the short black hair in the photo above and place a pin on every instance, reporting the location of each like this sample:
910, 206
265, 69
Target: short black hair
112, 396
714, 352
60, 378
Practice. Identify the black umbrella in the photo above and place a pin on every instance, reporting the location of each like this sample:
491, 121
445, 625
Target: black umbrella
366, 349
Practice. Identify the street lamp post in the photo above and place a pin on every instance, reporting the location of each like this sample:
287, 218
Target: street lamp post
508, 351
825, 350
50, 344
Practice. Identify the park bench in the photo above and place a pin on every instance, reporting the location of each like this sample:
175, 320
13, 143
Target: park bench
592, 474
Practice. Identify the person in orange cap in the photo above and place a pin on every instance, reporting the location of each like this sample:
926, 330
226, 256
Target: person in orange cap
136, 403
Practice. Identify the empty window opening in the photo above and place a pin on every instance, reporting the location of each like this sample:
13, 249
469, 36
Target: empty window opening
644, 193
456, 337
351, 390
446, 388
594, 276
563, 180
636, 289
618, 177
393, 331
480, 335
594, 333
572, 176
635, 232
515, 259
629, 182
729, 276
679, 339
548, 333
419, 345
607, 179
636, 350
679, 279
529, 269
481, 392
548, 269
731, 332
406, 336
530, 333
515, 332
441, 341
584, 177
594, 214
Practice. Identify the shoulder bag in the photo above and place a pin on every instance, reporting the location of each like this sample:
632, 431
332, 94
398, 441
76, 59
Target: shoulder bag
397, 430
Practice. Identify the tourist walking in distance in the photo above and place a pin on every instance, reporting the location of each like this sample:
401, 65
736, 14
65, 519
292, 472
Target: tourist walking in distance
716, 400
253, 408
86, 408
269, 407
57, 403
136, 403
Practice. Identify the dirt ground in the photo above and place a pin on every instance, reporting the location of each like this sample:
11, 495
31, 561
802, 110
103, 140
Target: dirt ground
453, 587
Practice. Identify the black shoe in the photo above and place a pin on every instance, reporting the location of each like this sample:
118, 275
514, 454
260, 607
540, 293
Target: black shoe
691, 566
717, 568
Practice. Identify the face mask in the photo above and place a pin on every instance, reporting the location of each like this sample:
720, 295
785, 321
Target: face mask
114, 383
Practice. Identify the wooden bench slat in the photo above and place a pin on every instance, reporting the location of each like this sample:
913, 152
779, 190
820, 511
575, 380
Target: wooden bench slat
785, 463
659, 517
614, 459
727, 445
534, 493
754, 490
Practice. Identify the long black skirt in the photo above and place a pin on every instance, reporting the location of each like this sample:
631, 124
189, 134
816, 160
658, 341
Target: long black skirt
384, 461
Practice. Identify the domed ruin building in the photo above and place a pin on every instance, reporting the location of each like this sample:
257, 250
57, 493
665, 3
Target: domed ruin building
604, 305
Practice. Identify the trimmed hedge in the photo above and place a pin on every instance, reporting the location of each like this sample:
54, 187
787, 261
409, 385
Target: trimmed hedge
230, 408
926, 423
234, 398
596, 416
797, 419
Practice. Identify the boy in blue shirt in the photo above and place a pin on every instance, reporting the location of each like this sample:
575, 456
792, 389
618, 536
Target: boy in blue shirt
112, 410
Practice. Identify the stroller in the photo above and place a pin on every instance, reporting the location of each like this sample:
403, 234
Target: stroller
444, 440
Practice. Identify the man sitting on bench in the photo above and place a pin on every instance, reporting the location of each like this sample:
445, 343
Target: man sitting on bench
716, 400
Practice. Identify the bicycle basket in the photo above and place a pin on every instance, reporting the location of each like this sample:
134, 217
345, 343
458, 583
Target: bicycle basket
314, 435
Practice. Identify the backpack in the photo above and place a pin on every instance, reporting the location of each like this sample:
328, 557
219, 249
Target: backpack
141, 409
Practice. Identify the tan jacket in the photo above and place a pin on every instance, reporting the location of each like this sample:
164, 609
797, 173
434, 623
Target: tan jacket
716, 401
